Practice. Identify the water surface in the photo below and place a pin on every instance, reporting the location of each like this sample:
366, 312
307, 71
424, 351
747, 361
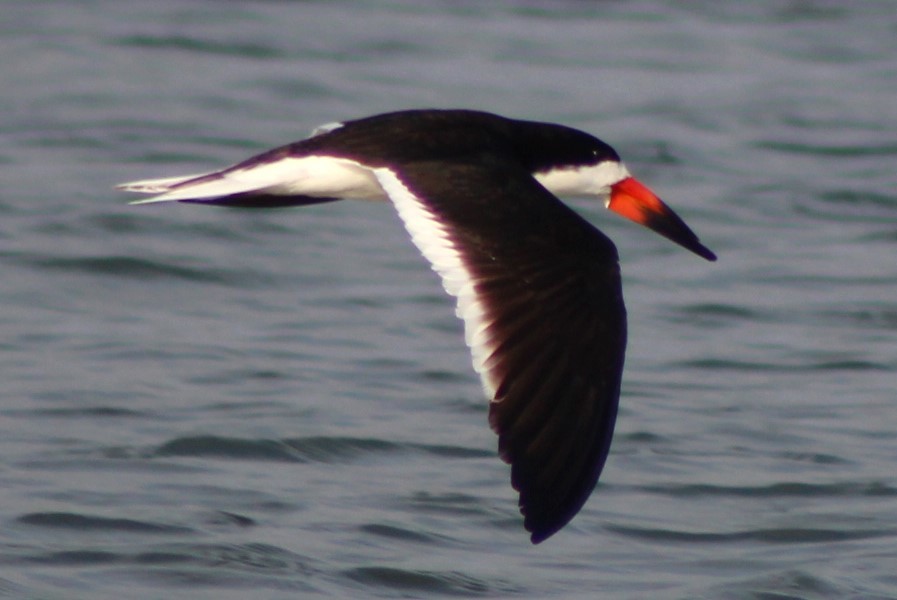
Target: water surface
205, 403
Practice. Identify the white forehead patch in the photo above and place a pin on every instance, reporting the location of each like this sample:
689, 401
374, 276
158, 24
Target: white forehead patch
587, 180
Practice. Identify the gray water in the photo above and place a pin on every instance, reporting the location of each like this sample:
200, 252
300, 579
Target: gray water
210, 403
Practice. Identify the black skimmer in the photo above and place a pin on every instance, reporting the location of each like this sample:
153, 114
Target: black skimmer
537, 287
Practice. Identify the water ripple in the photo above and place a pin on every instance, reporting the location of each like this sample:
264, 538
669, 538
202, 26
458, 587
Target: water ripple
777, 535
204, 46
778, 490
178, 372
225, 447
215, 559
721, 364
428, 583
790, 584
131, 267
320, 449
392, 532
65, 520
832, 151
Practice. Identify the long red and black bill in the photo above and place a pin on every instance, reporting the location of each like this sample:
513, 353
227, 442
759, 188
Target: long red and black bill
633, 200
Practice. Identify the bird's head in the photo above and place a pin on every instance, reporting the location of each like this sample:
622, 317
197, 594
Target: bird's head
601, 173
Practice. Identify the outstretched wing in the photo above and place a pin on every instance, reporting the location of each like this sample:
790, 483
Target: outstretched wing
539, 291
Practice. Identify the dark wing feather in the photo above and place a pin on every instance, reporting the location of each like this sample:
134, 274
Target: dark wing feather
550, 332
260, 200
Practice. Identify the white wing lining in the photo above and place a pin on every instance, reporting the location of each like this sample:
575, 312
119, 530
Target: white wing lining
434, 241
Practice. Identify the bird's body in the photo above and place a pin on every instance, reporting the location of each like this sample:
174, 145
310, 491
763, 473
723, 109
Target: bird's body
537, 286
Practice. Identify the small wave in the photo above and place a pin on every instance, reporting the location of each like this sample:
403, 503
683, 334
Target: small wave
832, 151
256, 557
228, 447
322, 449
406, 581
793, 583
777, 490
718, 316
450, 504
89, 412
198, 46
397, 533
65, 520
781, 535
719, 364
128, 266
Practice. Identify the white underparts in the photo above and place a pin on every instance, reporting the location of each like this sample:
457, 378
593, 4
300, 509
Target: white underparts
433, 239
316, 176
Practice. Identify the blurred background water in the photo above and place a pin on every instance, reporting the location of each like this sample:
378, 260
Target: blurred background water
207, 403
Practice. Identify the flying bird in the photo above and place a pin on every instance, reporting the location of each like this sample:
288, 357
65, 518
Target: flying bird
537, 286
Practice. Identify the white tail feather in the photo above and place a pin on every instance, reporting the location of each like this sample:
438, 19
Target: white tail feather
315, 176
156, 186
